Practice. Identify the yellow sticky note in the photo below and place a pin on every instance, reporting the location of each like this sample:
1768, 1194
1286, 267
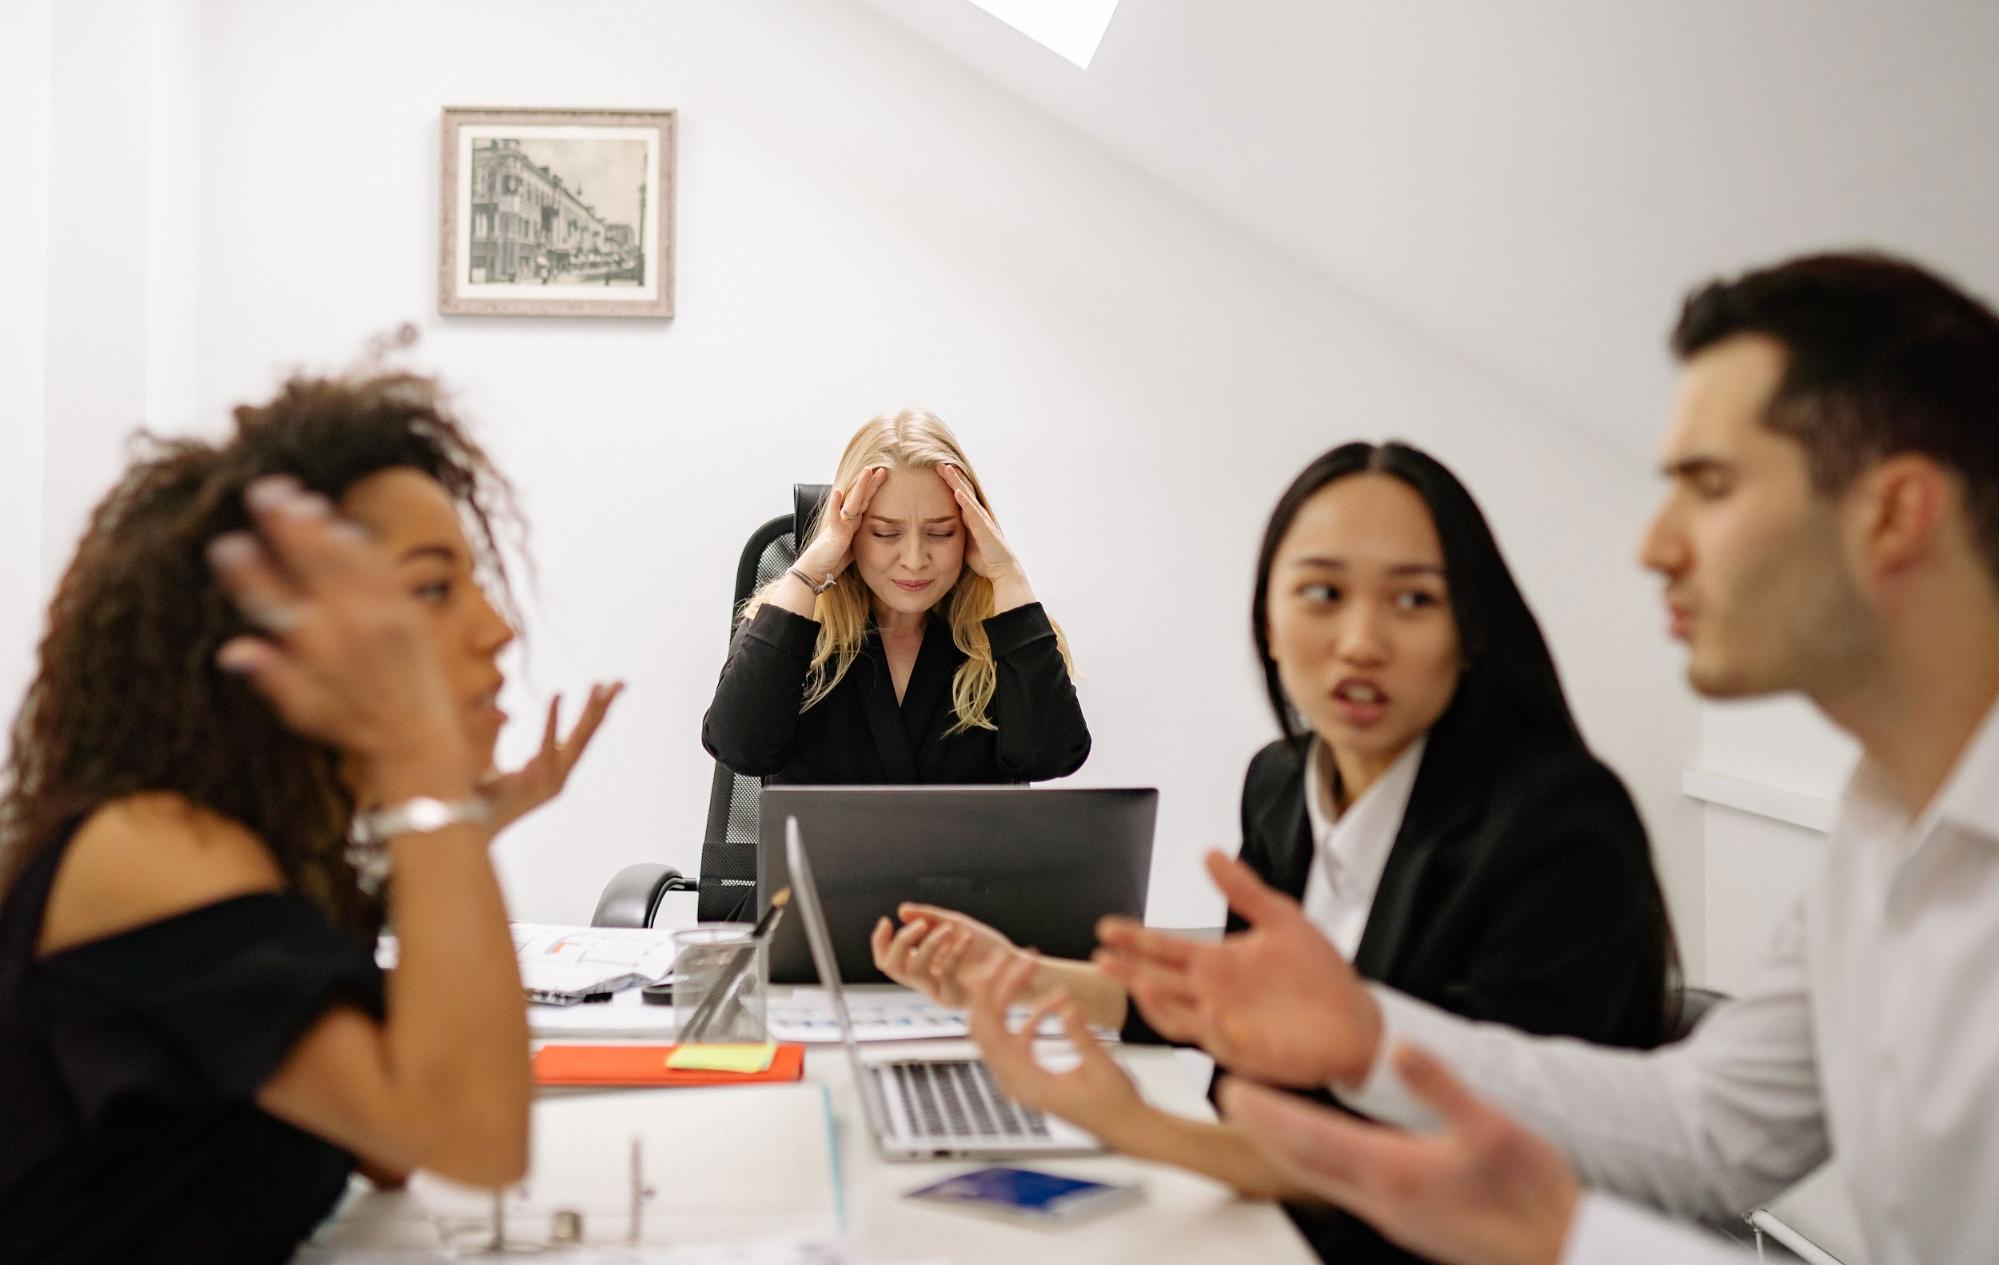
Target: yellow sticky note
722, 1058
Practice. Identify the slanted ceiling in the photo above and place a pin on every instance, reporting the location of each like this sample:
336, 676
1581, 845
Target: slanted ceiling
1534, 184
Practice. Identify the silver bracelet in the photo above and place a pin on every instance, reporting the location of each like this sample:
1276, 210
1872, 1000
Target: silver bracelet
368, 840
806, 580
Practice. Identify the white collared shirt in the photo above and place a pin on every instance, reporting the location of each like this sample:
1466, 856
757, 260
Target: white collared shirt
1349, 852
1873, 1024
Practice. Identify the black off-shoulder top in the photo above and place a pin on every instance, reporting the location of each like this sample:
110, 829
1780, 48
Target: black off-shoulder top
128, 1070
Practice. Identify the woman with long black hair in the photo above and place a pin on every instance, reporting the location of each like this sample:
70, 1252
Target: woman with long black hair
1430, 803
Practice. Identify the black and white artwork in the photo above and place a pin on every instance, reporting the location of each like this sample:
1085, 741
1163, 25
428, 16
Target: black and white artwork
557, 213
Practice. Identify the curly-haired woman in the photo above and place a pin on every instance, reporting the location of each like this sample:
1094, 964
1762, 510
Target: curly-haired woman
268, 682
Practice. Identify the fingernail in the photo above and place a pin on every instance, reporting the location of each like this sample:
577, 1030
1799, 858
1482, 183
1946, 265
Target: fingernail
230, 549
237, 656
271, 491
305, 505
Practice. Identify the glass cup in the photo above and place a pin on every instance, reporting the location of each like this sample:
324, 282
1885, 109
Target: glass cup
720, 984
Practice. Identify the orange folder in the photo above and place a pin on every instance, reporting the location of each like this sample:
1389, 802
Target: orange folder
646, 1065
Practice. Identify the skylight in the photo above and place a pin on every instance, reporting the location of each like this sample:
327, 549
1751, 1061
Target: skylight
1068, 28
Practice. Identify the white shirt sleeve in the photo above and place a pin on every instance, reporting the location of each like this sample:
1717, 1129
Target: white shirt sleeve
1708, 1128
1607, 1231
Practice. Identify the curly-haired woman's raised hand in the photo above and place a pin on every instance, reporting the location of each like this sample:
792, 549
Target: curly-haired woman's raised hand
515, 794
339, 650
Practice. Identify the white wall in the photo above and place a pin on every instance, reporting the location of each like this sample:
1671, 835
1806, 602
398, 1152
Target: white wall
102, 62
862, 226
96, 321
1770, 772
25, 33
1782, 743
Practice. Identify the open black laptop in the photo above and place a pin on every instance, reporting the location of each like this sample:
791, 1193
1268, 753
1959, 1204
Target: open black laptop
1040, 865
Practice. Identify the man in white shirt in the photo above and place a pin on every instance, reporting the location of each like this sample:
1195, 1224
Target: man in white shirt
1832, 529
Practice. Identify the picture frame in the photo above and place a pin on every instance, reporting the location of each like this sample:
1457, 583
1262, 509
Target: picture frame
553, 212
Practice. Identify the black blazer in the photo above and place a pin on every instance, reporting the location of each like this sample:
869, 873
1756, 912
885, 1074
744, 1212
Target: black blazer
858, 734
1519, 890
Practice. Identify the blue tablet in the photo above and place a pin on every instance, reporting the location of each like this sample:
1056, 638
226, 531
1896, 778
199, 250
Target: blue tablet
1026, 1194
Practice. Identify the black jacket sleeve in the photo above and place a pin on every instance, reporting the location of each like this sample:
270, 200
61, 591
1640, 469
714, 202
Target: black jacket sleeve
752, 724
1041, 729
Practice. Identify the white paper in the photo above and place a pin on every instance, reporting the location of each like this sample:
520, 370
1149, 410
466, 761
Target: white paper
715, 1165
578, 960
627, 1014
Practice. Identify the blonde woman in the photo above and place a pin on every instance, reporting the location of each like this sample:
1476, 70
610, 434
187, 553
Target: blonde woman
906, 645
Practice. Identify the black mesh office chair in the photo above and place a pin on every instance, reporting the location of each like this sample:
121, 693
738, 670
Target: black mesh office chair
727, 886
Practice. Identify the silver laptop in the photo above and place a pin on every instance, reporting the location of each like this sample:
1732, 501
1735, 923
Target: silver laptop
918, 1107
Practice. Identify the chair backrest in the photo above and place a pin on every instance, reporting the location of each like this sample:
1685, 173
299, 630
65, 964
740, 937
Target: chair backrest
728, 882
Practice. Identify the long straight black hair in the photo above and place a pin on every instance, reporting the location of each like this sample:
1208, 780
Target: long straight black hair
1508, 688
1508, 693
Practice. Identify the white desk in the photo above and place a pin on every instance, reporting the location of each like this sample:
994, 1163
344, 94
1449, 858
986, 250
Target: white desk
1183, 1218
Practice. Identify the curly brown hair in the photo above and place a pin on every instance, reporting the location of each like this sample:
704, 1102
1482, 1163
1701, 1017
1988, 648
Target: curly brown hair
127, 697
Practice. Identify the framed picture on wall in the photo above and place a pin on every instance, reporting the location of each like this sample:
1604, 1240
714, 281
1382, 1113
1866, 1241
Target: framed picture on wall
556, 213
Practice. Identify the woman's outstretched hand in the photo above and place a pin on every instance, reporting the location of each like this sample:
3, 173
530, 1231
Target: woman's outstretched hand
514, 795
937, 951
1096, 1094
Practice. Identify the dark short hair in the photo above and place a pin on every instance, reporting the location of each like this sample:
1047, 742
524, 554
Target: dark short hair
1885, 358
1509, 686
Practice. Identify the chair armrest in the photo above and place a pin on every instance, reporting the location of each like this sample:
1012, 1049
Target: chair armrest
631, 898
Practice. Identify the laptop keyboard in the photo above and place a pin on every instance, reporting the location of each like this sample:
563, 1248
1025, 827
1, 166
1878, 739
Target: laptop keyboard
960, 1100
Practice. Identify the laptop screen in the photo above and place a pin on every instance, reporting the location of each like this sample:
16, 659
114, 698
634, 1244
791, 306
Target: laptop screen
1041, 865
814, 919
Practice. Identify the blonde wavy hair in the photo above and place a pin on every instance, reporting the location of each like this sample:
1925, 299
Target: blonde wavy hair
910, 440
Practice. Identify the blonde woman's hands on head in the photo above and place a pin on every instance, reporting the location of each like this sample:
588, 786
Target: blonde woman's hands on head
1276, 1002
1096, 1094
341, 652
1482, 1191
514, 795
936, 951
831, 550
986, 550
